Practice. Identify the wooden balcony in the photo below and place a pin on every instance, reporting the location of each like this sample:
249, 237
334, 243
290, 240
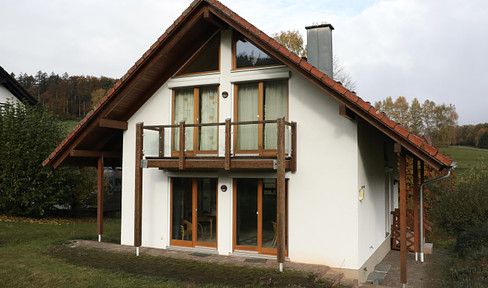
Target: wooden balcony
159, 145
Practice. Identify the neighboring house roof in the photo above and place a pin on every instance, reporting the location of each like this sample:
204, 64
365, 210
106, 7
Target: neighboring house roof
14, 87
197, 23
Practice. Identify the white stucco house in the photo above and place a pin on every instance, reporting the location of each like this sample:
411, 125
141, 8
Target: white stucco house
10, 90
279, 160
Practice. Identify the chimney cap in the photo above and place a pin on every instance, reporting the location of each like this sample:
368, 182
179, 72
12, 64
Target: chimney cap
320, 26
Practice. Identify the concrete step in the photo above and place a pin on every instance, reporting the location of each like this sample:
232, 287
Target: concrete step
428, 247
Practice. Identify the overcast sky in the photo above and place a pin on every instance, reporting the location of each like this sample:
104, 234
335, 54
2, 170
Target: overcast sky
428, 49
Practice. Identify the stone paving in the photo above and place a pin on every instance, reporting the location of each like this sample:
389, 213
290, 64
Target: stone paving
415, 272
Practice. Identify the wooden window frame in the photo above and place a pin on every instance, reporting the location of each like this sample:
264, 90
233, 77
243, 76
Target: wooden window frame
259, 249
235, 37
194, 243
196, 109
197, 54
260, 151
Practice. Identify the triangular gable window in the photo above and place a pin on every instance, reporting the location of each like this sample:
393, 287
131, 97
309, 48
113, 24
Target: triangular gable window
206, 60
246, 55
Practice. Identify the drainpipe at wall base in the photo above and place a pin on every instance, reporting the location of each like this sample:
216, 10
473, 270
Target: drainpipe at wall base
454, 164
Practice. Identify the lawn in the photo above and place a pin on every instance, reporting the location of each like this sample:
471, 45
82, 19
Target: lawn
38, 254
466, 157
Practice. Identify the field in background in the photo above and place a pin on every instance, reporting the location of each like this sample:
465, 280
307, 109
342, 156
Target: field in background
466, 157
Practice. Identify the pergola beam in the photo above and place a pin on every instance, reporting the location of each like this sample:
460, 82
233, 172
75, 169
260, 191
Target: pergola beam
94, 154
114, 124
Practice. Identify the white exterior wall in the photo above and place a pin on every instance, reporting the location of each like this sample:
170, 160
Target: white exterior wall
327, 223
6, 95
322, 192
372, 168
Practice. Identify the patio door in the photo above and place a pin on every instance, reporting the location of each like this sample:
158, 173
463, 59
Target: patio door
257, 102
255, 215
194, 212
196, 106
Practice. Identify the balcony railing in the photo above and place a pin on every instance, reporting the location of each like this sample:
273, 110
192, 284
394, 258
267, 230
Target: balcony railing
225, 145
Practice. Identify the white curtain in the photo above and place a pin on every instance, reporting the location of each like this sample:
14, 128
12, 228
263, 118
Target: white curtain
183, 110
208, 114
275, 106
247, 110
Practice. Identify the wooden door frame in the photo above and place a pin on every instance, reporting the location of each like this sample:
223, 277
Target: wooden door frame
193, 242
261, 149
196, 120
259, 249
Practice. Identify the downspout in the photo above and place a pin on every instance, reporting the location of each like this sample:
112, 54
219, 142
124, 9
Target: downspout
449, 169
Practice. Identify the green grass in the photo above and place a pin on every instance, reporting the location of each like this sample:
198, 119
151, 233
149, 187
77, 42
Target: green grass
69, 125
466, 157
39, 254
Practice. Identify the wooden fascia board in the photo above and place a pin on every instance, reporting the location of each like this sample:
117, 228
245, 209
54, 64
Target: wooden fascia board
170, 41
113, 124
94, 154
255, 39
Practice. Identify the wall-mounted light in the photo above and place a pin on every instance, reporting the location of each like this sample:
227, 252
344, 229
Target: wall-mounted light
225, 94
361, 193
223, 188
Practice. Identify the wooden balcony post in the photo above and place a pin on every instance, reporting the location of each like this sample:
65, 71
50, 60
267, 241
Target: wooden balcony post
181, 163
293, 164
161, 143
280, 211
416, 211
227, 143
138, 188
403, 219
100, 198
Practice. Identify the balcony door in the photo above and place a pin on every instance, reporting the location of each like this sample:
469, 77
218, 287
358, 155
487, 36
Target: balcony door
256, 102
255, 215
196, 106
194, 212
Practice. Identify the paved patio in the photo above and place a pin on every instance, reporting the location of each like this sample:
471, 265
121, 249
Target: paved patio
415, 271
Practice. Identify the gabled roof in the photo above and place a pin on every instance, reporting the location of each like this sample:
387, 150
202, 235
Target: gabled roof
14, 87
188, 32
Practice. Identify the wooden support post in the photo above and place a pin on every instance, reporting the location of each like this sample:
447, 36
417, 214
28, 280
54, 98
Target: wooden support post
227, 143
138, 186
181, 162
161, 143
403, 219
280, 211
293, 164
416, 211
422, 180
100, 198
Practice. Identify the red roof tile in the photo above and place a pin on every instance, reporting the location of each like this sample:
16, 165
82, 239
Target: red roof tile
290, 57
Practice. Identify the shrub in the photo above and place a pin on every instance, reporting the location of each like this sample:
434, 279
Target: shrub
458, 209
27, 135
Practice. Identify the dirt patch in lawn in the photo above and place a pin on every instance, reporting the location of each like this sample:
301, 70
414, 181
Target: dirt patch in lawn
182, 270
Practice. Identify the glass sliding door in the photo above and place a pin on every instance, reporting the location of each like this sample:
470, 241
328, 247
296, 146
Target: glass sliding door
247, 110
194, 212
183, 110
275, 106
260, 101
208, 109
196, 106
255, 215
247, 212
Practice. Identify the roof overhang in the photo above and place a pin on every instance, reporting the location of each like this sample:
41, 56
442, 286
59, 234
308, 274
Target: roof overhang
181, 40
